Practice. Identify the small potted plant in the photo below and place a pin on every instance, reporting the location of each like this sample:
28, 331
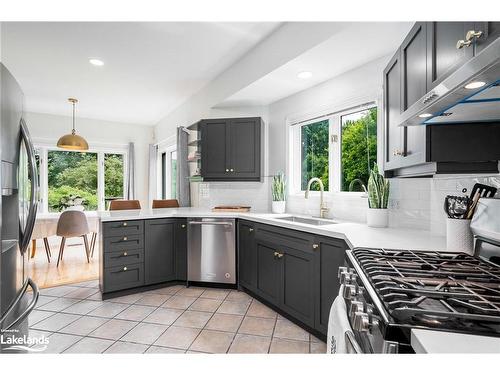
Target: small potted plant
378, 198
278, 188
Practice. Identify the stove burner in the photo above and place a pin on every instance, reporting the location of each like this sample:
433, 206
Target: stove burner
445, 290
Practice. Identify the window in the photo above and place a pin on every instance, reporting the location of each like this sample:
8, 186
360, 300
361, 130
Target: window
359, 148
113, 177
169, 173
314, 154
339, 149
70, 178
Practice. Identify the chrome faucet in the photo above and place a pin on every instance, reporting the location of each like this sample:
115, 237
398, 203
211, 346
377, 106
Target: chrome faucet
322, 207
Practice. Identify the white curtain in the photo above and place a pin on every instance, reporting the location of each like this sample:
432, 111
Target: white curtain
130, 179
153, 157
183, 185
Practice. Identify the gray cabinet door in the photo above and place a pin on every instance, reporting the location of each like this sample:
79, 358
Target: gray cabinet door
413, 86
159, 250
392, 111
443, 56
214, 149
330, 255
491, 31
269, 282
298, 284
244, 148
181, 249
247, 257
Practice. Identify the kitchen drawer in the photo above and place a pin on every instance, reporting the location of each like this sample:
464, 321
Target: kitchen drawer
285, 237
123, 258
121, 228
122, 243
123, 277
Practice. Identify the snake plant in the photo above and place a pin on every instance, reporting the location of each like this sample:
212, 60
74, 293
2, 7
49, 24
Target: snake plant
278, 187
378, 189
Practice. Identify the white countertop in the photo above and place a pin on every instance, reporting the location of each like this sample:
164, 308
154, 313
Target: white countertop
355, 234
433, 342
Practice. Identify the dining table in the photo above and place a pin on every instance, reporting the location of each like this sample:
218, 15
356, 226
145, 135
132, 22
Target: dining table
46, 226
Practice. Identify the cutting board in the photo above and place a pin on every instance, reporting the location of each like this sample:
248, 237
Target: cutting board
231, 209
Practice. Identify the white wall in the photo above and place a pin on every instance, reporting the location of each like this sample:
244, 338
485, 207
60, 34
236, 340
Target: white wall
47, 128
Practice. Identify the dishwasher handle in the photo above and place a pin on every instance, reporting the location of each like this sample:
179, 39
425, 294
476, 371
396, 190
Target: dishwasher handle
210, 223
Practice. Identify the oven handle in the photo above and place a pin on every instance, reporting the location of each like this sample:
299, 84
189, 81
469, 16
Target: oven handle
349, 336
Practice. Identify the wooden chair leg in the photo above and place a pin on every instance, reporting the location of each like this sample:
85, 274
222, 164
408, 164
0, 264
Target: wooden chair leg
33, 248
61, 249
87, 249
92, 243
47, 248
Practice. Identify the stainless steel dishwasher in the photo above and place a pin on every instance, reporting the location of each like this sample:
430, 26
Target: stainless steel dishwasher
212, 250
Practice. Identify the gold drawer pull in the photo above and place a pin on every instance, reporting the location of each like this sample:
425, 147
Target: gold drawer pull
276, 254
250, 229
125, 268
183, 226
125, 238
125, 224
315, 246
125, 254
280, 255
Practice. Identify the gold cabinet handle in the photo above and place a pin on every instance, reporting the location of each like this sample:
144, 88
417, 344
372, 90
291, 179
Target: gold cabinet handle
125, 238
280, 255
471, 34
232, 170
462, 43
276, 254
183, 226
125, 268
125, 254
250, 229
125, 224
315, 246
227, 170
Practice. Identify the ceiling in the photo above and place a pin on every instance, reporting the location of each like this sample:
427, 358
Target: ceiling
356, 44
149, 68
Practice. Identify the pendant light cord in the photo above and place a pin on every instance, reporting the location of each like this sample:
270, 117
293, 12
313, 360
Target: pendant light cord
73, 131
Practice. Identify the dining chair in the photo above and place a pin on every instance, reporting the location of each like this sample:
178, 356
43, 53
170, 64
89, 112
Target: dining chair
72, 224
165, 203
123, 204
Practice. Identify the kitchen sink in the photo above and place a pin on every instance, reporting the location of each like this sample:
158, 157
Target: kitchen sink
306, 220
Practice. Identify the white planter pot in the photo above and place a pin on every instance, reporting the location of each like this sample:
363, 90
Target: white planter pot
377, 217
279, 207
459, 236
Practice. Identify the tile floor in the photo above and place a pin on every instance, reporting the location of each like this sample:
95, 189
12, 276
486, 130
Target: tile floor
173, 319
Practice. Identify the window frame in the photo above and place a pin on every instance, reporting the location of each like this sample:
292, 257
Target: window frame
164, 180
334, 118
44, 150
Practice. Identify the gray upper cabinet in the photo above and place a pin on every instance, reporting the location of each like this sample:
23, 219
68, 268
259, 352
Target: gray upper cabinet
231, 149
392, 111
490, 30
159, 250
443, 56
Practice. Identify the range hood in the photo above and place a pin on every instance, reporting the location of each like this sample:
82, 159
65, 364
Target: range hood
451, 102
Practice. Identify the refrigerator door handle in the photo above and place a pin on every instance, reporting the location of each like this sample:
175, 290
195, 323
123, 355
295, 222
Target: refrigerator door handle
25, 234
19, 297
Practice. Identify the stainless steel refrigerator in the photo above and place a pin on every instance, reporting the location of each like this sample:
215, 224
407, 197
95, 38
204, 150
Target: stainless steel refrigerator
18, 204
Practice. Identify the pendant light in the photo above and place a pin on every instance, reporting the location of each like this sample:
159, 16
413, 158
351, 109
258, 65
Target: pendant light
73, 141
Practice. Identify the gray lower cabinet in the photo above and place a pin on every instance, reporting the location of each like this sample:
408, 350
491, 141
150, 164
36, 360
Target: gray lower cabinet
294, 271
142, 252
159, 249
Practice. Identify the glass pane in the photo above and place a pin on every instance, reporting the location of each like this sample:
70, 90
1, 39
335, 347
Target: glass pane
72, 180
359, 148
113, 177
173, 174
314, 154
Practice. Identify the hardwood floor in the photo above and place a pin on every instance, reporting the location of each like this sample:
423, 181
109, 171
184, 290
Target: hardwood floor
72, 269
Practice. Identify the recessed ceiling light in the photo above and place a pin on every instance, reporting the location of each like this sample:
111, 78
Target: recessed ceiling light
304, 75
475, 85
96, 62
425, 115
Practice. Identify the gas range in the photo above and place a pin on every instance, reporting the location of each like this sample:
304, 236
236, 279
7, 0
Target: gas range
390, 292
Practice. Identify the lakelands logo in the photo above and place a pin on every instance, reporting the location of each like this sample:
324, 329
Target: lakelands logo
11, 340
